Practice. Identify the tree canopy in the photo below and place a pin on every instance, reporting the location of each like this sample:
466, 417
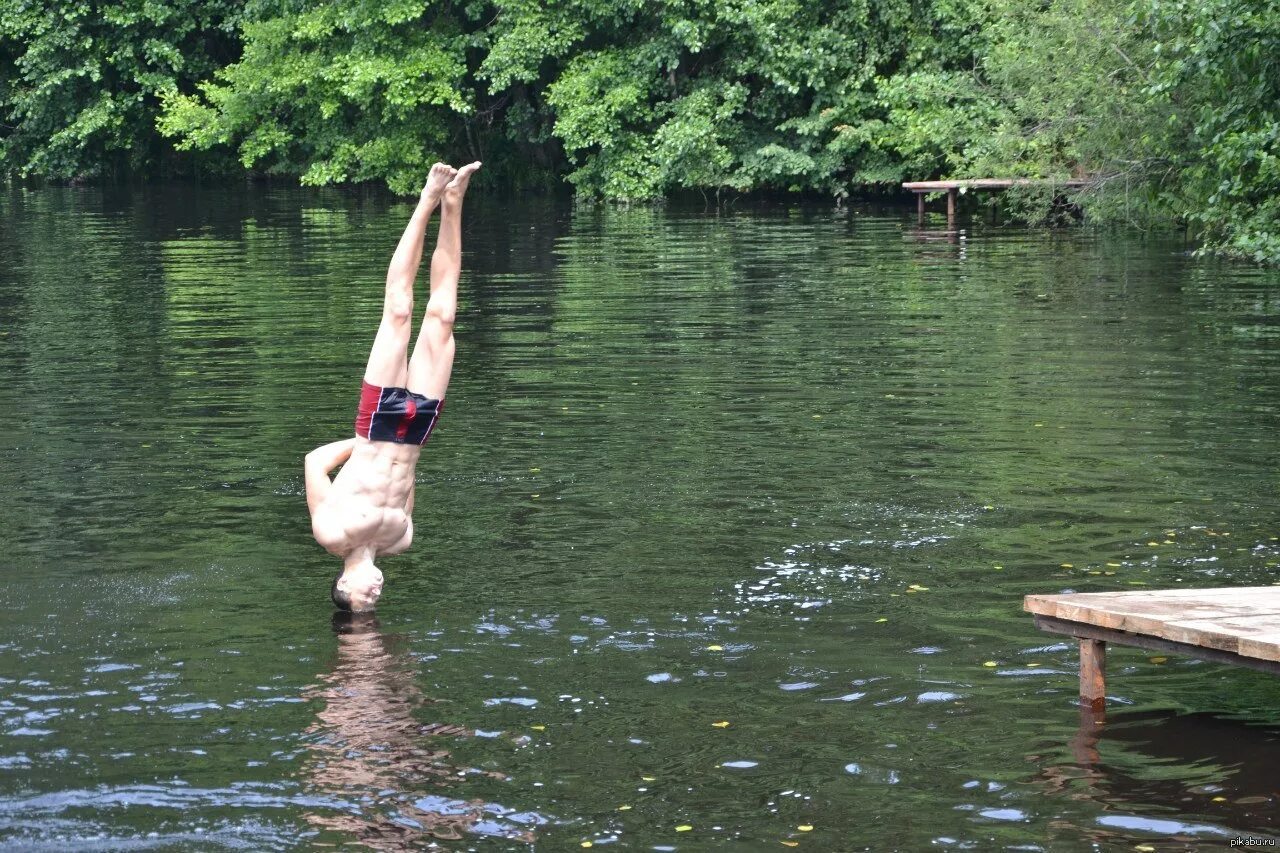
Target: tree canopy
1170, 108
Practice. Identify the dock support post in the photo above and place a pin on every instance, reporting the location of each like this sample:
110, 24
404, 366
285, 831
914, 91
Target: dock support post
951, 208
920, 209
1093, 673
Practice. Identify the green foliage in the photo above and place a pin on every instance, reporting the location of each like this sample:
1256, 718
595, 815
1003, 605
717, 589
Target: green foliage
80, 82
1170, 108
335, 92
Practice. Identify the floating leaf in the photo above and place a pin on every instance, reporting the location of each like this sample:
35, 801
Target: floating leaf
817, 417
715, 648
588, 844
534, 470
1034, 663
624, 808
1039, 424
988, 506
882, 619
915, 587
535, 496
1113, 565
1219, 799
723, 724
1067, 565
649, 778
991, 663
539, 728
1154, 544
1157, 659
790, 843
1145, 848
684, 827
804, 827
997, 566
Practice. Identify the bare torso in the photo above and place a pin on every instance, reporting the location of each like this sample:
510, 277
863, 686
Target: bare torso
369, 501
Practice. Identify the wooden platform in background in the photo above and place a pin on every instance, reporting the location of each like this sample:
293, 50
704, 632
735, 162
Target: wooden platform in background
1235, 625
953, 188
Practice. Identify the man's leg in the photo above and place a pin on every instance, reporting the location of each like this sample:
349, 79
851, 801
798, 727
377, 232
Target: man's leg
432, 361
386, 365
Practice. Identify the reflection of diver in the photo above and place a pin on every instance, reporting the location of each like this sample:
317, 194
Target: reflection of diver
1194, 770
371, 754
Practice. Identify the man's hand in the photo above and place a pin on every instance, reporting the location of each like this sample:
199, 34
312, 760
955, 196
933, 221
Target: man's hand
439, 176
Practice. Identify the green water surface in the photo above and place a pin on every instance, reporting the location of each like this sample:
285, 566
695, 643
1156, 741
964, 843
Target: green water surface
787, 468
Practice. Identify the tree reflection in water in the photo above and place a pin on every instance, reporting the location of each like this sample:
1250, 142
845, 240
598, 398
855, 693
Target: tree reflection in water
375, 759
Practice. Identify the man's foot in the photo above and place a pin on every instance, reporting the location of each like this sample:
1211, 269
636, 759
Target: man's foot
437, 179
457, 188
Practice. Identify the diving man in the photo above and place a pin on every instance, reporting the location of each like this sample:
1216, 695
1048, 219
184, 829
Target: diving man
366, 511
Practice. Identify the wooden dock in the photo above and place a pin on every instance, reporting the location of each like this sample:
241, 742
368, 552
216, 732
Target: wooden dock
953, 188
1236, 625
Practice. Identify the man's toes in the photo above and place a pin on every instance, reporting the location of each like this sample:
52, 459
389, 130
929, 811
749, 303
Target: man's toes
464, 174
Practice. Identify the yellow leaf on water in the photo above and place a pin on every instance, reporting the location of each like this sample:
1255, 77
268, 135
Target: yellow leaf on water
1145, 848
1113, 565
536, 496
723, 724
991, 663
587, 844
1108, 573
804, 827
790, 843
715, 648
538, 728
534, 470
988, 506
1039, 424
1219, 799
684, 827
1094, 572
1157, 659
1034, 663
649, 778
918, 588
624, 808
817, 417
1154, 544
882, 619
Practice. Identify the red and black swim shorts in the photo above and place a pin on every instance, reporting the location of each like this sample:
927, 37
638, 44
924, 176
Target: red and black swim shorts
395, 414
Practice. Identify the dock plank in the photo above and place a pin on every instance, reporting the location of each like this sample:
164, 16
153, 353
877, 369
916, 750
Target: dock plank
1234, 624
988, 184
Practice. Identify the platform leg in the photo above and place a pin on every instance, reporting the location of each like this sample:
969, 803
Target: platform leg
1093, 673
951, 209
920, 209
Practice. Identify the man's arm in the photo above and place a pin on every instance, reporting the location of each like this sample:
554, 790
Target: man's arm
319, 463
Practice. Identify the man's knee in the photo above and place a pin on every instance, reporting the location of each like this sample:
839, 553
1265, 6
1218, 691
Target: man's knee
398, 310
441, 314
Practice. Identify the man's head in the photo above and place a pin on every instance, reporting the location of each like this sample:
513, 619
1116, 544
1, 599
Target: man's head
357, 588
